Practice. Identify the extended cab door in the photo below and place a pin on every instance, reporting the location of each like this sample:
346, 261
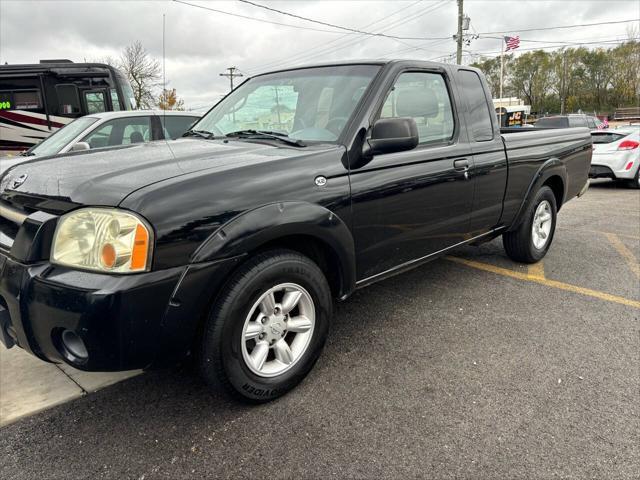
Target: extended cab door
489, 172
407, 205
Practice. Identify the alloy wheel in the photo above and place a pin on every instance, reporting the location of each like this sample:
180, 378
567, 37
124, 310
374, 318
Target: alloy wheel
278, 330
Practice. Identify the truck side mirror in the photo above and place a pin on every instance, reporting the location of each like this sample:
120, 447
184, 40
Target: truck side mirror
78, 147
390, 135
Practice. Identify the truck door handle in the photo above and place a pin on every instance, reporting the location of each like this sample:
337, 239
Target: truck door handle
461, 164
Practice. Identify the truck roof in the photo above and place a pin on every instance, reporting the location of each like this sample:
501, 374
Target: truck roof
381, 61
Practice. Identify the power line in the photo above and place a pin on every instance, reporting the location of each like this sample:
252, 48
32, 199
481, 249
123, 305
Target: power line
326, 24
325, 46
255, 19
355, 31
567, 42
520, 30
396, 23
404, 50
247, 17
603, 42
485, 53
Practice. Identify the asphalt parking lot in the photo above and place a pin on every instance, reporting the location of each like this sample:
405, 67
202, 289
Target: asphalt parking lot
469, 367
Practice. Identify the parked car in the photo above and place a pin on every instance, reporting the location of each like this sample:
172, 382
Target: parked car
296, 189
110, 129
616, 155
572, 120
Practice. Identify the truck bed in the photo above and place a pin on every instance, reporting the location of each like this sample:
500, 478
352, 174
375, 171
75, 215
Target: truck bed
529, 149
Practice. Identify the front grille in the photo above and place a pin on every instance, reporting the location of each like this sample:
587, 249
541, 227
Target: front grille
8, 232
11, 219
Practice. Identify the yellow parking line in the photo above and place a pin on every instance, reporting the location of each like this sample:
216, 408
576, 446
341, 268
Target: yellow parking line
626, 235
625, 252
545, 281
536, 270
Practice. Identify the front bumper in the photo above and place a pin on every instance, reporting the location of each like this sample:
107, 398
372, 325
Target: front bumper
117, 318
124, 322
96, 321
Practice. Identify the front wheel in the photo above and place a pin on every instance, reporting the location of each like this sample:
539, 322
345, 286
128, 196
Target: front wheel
268, 326
532, 239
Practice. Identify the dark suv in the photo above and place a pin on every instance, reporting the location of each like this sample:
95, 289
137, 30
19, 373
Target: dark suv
568, 121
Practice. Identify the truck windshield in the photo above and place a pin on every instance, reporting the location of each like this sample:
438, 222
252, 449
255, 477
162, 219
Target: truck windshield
60, 139
311, 104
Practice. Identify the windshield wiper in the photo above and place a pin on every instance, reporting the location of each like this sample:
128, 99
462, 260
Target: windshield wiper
197, 133
27, 154
283, 137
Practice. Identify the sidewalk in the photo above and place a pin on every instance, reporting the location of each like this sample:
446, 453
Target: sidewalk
29, 385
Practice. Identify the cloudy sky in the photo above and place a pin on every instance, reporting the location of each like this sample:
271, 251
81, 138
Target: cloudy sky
201, 43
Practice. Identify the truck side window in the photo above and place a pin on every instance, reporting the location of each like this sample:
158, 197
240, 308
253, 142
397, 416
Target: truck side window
479, 113
424, 97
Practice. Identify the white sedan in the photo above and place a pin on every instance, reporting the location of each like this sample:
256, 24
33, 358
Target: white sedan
616, 154
107, 130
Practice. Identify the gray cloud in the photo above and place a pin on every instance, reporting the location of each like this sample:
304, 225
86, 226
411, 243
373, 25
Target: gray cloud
201, 44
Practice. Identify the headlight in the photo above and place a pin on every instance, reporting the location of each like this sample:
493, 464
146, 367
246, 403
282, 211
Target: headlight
103, 239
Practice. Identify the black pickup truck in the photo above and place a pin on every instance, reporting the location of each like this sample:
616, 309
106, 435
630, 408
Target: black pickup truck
298, 188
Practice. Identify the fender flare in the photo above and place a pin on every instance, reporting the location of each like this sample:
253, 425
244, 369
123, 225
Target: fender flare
254, 228
551, 168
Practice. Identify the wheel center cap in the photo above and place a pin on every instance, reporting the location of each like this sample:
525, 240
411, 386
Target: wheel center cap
277, 328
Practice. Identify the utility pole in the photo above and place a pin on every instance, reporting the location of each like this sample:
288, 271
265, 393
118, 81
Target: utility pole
501, 78
563, 87
232, 74
459, 36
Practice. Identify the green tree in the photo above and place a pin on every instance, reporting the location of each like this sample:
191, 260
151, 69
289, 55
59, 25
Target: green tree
597, 78
530, 78
491, 69
625, 75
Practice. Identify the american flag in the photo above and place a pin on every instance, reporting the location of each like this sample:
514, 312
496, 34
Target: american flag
512, 42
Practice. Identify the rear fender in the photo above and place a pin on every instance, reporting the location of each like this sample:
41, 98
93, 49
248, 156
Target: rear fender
550, 168
255, 228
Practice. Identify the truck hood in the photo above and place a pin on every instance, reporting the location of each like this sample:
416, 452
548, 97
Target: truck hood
107, 177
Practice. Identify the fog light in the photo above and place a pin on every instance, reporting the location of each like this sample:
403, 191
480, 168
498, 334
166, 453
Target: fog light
74, 345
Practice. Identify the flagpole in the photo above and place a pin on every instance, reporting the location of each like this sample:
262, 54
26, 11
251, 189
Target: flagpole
501, 75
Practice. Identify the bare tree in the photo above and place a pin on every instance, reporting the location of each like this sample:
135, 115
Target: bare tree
143, 73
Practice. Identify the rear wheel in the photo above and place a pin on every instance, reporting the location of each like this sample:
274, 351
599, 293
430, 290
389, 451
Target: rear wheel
532, 239
635, 183
268, 327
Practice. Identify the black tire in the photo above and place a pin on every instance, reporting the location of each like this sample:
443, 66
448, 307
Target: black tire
519, 243
635, 183
221, 361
